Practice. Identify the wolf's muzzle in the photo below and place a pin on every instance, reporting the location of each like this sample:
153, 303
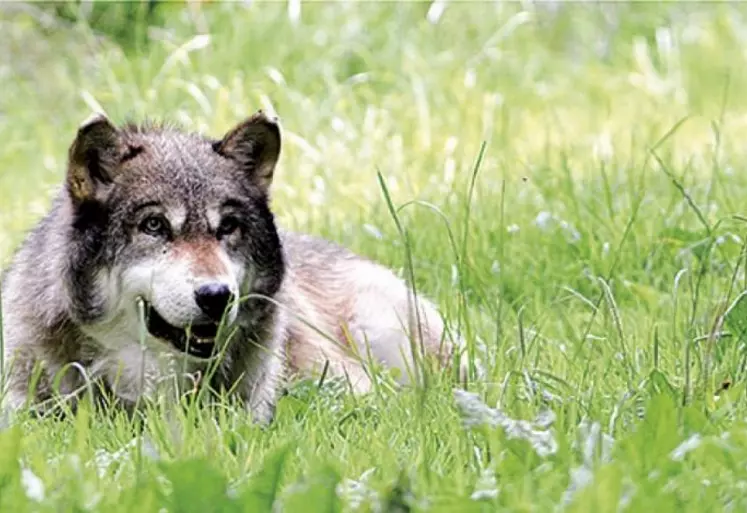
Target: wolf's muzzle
213, 299
198, 340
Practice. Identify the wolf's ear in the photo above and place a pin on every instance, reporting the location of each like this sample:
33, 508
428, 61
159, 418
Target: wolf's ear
255, 145
92, 158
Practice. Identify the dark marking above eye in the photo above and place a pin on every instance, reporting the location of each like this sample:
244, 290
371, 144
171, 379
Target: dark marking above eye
143, 206
233, 203
131, 153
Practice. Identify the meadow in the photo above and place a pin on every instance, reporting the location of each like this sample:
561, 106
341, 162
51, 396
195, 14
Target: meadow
565, 180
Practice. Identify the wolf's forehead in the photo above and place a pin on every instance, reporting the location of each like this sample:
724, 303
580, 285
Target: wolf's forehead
173, 163
182, 193
175, 151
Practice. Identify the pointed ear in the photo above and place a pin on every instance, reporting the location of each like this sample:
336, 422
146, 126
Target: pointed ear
92, 158
255, 145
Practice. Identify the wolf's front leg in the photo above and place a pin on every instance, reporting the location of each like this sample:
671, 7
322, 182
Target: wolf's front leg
32, 389
261, 394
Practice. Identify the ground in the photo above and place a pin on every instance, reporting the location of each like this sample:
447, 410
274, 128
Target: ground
569, 181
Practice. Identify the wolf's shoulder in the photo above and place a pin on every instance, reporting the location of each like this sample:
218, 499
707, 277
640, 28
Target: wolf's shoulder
302, 248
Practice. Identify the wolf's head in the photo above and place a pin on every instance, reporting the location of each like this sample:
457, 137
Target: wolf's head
176, 219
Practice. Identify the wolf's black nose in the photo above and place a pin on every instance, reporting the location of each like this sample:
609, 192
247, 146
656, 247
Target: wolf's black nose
213, 299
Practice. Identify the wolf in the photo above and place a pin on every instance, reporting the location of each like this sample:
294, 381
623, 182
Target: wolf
161, 259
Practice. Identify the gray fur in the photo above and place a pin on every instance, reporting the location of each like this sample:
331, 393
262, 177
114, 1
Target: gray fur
65, 298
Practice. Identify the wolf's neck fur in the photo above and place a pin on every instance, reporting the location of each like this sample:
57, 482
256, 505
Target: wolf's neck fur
46, 300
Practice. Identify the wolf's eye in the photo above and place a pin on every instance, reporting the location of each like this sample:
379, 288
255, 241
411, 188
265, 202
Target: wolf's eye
227, 226
154, 225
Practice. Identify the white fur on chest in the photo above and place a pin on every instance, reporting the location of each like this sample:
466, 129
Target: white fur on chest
133, 371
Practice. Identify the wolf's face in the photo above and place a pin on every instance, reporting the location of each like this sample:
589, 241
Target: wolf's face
176, 220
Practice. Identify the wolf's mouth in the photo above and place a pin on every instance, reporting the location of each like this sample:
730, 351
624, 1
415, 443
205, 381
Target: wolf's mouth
198, 341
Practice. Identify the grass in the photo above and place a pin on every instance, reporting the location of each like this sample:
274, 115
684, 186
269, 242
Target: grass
594, 252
